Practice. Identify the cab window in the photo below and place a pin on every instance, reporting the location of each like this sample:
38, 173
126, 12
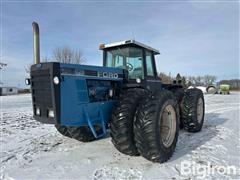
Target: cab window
129, 58
149, 63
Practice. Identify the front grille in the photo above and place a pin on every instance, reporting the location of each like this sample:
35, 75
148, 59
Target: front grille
41, 90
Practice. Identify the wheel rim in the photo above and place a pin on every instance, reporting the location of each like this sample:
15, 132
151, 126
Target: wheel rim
200, 110
168, 126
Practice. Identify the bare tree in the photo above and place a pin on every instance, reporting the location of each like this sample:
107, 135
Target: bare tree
28, 67
201, 80
45, 59
209, 79
184, 82
190, 80
63, 55
67, 55
166, 79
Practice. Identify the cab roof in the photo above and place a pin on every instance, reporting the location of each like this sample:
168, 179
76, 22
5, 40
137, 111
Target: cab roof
122, 43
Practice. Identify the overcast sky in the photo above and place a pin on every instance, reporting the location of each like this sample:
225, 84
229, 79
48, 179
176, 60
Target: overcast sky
194, 38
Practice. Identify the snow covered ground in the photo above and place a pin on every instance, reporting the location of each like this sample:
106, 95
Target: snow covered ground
31, 150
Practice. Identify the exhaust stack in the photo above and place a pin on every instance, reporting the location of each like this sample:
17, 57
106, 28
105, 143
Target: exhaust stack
36, 43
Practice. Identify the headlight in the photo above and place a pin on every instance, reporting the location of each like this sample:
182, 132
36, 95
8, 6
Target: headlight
50, 113
37, 111
56, 80
27, 81
138, 80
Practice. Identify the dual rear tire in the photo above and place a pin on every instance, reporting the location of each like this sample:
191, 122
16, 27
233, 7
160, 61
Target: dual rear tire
146, 125
149, 125
156, 127
121, 125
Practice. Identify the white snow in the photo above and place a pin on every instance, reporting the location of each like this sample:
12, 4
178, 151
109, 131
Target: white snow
31, 150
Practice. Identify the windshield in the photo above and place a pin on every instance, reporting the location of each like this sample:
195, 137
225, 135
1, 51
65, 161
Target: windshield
129, 58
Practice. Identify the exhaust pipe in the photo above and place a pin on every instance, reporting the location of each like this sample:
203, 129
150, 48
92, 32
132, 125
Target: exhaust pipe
36, 43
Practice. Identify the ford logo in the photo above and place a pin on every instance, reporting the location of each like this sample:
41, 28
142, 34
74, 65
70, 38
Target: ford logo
107, 75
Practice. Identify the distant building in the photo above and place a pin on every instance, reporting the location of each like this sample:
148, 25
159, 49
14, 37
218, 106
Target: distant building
8, 91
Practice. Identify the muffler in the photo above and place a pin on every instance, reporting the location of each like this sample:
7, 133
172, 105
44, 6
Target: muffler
36, 43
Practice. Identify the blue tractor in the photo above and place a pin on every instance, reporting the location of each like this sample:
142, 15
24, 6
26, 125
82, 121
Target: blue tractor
124, 97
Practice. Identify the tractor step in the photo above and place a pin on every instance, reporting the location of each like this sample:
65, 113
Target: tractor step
98, 121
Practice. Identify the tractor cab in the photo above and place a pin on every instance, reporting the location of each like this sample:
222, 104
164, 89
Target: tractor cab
135, 58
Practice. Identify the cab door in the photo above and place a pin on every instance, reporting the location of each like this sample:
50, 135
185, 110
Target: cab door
153, 82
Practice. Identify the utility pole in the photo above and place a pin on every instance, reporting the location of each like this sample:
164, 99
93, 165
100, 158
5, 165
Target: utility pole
2, 65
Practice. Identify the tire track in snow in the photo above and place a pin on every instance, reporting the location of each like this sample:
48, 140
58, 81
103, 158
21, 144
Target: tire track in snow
222, 109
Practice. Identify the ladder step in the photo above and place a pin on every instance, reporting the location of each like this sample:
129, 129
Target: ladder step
100, 120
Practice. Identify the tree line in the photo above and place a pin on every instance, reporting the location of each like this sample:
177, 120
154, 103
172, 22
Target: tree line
204, 80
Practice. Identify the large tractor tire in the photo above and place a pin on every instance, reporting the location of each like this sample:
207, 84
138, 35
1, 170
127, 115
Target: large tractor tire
193, 110
63, 130
156, 127
121, 125
82, 133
